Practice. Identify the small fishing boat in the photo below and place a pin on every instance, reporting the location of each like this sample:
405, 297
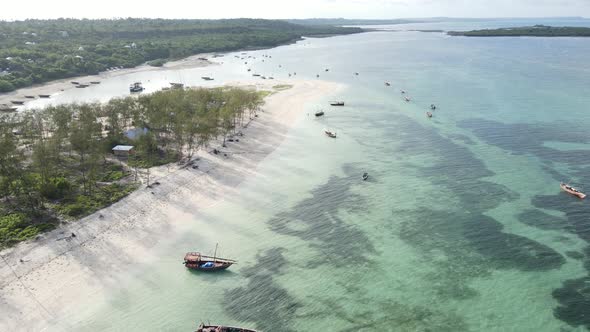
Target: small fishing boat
44, 96
271, 78
82, 86
136, 87
432, 107
220, 328
196, 261
30, 97
407, 99
176, 85
327, 69
255, 74
356, 74
319, 113
17, 102
249, 69
403, 91
337, 103
429, 114
263, 77
207, 78
75, 83
387, 84
365, 176
330, 133
318, 75
571, 190
95, 82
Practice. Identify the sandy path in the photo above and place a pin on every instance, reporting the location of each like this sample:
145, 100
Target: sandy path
58, 275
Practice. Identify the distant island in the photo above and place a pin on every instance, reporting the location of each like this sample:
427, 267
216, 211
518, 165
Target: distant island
38, 51
531, 31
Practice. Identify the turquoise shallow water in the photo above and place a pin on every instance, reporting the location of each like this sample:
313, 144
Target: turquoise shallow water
461, 227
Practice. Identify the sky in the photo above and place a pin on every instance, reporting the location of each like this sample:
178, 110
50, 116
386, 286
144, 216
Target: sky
370, 9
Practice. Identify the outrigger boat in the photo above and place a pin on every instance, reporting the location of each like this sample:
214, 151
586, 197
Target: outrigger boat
319, 113
330, 133
429, 114
196, 261
571, 190
136, 87
337, 103
220, 328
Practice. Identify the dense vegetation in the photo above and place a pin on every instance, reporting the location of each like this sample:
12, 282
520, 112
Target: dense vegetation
56, 163
36, 51
533, 31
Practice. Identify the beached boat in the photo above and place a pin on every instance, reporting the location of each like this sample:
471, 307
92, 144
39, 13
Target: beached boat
44, 96
337, 103
197, 261
6, 108
207, 78
74, 82
95, 82
17, 102
30, 97
221, 328
365, 176
571, 190
319, 113
432, 107
136, 87
429, 114
177, 85
330, 133
387, 84
82, 86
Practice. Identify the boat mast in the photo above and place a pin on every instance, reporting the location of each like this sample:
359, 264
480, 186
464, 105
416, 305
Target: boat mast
215, 254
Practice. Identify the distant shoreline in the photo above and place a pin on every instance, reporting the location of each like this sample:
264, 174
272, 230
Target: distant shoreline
528, 31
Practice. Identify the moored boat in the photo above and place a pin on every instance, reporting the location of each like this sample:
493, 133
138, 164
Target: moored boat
197, 261
429, 114
407, 99
337, 103
136, 87
82, 86
177, 85
17, 102
330, 133
30, 97
221, 328
95, 82
432, 107
571, 190
75, 83
402, 91
44, 96
387, 84
207, 78
365, 176
319, 113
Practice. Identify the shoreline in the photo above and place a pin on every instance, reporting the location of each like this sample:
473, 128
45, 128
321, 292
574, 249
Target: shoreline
59, 272
53, 87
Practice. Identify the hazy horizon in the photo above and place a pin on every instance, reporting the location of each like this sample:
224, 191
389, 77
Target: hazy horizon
301, 9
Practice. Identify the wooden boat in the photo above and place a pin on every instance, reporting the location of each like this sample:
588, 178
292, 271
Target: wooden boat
44, 96
196, 261
207, 78
365, 176
571, 190
17, 102
330, 133
337, 103
82, 86
95, 82
75, 83
30, 97
432, 107
429, 114
220, 328
136, 87
387, 84
255, 74
319, 113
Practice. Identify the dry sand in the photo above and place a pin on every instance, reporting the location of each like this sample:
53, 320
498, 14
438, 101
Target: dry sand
60, 272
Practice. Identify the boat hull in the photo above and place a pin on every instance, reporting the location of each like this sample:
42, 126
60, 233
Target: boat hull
578, 194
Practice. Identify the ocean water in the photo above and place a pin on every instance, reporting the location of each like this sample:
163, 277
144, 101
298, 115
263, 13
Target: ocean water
460, 227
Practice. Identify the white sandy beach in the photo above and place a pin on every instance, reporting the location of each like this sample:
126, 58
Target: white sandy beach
59, 272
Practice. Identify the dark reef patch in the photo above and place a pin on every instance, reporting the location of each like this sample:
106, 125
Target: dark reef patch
542, 220
316, 220
262, 300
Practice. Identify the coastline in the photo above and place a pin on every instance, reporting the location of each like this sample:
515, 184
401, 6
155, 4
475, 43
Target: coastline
59, 272
53, 87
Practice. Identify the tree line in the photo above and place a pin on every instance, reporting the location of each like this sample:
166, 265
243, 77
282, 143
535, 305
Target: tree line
37, 51
57, 162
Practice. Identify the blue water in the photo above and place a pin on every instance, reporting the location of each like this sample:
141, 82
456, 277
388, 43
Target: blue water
461, 226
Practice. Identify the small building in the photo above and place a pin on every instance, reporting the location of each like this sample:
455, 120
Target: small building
123, 150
